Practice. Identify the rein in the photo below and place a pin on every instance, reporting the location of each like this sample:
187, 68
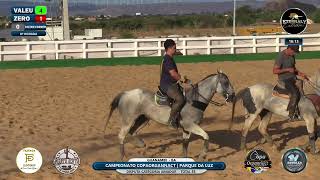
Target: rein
210, 101
313, 85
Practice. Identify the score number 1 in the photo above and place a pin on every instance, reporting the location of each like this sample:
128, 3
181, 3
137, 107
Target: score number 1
41, 18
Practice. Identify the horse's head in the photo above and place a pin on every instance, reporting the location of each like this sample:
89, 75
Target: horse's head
224, 87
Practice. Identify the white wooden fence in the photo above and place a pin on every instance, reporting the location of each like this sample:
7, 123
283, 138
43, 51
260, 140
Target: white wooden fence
51, 50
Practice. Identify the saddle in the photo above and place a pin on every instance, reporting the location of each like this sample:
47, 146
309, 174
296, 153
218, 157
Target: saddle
162, 99
279, 89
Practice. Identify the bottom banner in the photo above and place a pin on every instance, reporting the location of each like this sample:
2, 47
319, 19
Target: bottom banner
161, 171
159, 166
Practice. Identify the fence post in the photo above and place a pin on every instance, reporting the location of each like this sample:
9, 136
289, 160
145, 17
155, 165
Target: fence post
254, 46
277, 44
208, 47
136, 52
110, 49
28, 50
232, 45
56, 47
159, 47
84, 50
184, 44
1, 53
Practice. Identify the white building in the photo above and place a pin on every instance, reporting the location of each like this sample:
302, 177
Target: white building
90, 34
53, 33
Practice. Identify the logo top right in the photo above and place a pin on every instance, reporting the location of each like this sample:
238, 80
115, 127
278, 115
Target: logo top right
294, 21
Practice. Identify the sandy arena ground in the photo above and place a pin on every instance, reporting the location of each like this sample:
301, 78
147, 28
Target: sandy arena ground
49, 109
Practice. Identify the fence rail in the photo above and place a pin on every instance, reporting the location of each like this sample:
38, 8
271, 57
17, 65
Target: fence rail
34, 50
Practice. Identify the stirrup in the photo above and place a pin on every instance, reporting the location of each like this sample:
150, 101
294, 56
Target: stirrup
174, 123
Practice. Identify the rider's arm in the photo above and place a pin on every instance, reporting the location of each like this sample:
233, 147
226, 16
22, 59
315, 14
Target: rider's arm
171, 68
175, 75
278, 70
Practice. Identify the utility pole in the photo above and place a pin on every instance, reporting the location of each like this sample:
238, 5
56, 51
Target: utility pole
65, 15
234, 17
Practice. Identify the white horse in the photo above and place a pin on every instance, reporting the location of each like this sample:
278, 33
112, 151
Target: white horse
259, 100
138, 106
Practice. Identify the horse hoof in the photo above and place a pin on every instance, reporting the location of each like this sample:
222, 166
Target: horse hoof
243, 148
201, 158
121, 158
315, 152
305, 147
184, 155
139, 143
275, 148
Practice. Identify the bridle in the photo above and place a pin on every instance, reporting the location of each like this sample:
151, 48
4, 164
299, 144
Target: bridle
210, 101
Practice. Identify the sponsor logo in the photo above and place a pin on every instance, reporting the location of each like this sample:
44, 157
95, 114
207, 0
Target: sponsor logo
29, 160
257, 161
294, 160
66, 161
294, 21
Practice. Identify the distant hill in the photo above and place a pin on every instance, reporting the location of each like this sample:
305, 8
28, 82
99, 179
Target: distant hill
153, 9
282, 5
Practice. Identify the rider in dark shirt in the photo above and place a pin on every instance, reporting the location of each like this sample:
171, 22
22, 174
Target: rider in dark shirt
169, 82
286, 70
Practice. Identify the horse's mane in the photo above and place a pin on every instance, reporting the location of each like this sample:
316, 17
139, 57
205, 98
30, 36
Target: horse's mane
210, 75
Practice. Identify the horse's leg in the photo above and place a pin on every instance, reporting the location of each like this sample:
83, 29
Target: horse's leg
265, 120
122, 136
196, 129
312, 131
311, 123
247, 125
185, 143
138, 142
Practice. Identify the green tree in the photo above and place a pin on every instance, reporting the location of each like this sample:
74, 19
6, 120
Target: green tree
316, 16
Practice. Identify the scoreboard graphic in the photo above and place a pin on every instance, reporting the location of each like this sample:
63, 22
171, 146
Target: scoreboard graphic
29, 21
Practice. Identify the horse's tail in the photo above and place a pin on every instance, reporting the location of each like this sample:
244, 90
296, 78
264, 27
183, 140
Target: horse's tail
240, 95
114, 105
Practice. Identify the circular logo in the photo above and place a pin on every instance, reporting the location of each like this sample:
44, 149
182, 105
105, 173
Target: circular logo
294, 160
257, 161
66, 161
29, 160
294, 21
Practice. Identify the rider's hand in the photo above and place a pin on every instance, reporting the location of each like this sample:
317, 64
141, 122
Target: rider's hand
186, 80
291, 70
305, 77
